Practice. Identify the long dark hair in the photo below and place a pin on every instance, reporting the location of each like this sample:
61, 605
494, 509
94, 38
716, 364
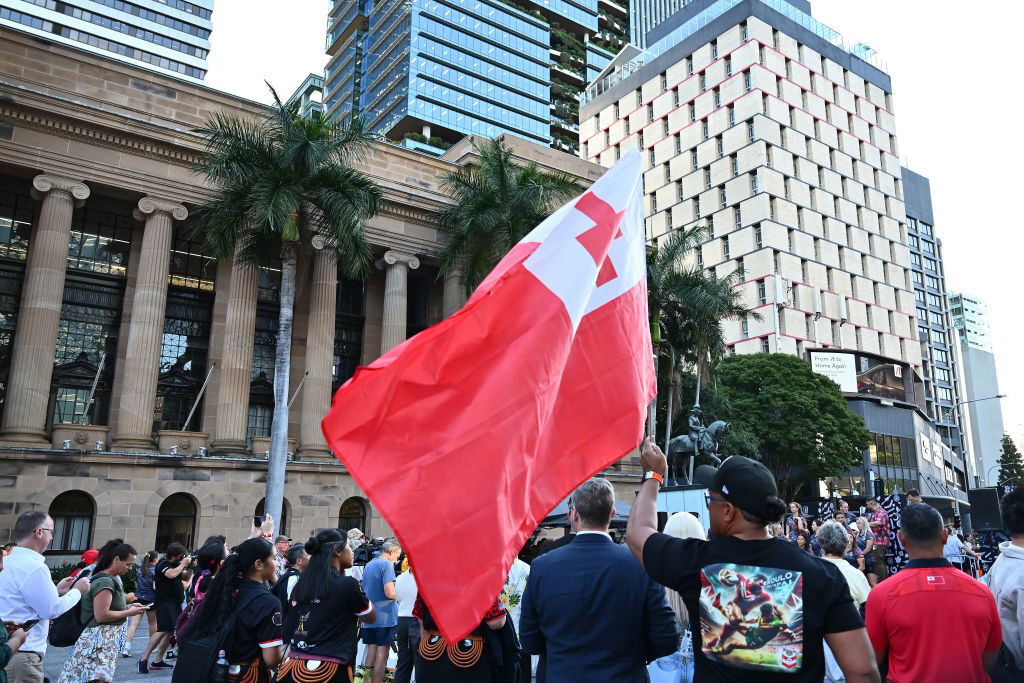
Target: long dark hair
220, 600
113, 549
315, 580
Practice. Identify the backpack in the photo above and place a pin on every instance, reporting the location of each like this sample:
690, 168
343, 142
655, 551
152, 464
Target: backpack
65, 629
184, 621
197, 654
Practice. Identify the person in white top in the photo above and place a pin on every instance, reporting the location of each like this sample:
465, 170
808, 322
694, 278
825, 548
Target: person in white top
27, 592
834, 541
408, 626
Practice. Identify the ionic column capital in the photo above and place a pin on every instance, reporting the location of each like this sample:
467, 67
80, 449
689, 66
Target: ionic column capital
392, 258
155, 205
45, 183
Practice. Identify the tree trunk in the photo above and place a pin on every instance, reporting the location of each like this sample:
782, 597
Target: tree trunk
278, 458
668, 413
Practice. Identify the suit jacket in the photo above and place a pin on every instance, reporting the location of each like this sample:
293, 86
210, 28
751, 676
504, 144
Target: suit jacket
595, 613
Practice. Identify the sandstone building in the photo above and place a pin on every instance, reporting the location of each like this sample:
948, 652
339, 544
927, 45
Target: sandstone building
112, 319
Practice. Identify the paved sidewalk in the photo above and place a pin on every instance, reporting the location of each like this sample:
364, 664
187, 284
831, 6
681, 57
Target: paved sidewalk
127, 669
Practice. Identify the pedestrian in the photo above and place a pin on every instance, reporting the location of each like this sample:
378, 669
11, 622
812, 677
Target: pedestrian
879, 523
104, 612
848, 517
408, 636
761, 607
470, 660
1006, 580
914, 497
681, 525
10, 643
281, 545
957, 552
27, 593
145, 596
853, 554
628, 621
297, 559
803, 542
865, 540
795, 521
168, 576
930, 620
815, 547
254, 646
379, 586
87, 560
326, 606
834, 541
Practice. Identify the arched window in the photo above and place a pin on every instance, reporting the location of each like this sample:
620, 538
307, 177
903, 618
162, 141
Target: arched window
176, 522
72, 513
280, 525
353, 516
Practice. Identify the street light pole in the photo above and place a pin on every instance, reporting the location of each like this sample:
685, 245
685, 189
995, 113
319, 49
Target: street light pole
987, 474
949, 411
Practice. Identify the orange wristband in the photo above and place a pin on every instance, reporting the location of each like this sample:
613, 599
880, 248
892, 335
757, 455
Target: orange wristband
654, 475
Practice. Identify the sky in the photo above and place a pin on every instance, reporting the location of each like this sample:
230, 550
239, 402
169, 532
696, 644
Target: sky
952, 72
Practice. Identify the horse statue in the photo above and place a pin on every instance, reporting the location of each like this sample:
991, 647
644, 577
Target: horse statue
683, 447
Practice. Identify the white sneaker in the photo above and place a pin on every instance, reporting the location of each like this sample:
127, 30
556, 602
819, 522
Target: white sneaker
126, 652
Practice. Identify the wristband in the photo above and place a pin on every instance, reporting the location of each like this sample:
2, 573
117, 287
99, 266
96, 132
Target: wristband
654, 475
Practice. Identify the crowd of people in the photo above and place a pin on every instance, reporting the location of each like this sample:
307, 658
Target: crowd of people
764, 591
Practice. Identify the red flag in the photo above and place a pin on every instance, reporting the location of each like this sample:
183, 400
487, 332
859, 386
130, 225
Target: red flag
466, 435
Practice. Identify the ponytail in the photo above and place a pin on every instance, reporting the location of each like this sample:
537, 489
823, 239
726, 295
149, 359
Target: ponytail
219, 601
113, 549
315, 580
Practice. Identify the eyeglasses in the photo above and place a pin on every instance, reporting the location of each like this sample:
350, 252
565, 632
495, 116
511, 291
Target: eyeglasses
44, 529
709, 499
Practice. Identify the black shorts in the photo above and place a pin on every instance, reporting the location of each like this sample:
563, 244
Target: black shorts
167, 613
144, 603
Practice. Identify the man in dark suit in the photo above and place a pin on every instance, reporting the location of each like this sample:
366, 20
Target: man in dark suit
590, 607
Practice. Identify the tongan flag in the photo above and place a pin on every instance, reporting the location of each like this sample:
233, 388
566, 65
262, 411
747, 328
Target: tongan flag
466, 435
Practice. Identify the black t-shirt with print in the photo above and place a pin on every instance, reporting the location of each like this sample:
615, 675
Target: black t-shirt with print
758, 609
169, 589
327, 627
257, 624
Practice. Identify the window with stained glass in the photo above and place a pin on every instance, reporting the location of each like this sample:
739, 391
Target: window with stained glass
100, 242
348, 329
86, 347
184, 354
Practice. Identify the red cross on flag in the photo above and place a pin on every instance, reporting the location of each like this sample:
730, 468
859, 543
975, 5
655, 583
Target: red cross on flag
467, 435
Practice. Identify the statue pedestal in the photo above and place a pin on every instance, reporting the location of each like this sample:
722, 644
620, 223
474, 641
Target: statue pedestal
672, 499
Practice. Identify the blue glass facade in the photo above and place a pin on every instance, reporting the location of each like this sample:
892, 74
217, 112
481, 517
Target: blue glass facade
455, 67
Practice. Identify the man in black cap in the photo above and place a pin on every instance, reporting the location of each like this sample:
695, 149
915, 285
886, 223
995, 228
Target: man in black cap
761, 606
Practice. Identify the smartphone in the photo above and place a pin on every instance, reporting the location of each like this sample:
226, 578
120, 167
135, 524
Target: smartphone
257, 520
28, 624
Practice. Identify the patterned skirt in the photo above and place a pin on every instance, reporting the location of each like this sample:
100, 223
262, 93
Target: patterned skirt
95, 655
295, 670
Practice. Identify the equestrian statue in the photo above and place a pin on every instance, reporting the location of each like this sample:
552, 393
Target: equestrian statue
700, 441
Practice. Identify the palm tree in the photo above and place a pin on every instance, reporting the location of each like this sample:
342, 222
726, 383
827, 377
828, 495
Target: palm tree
495, 203
687, 306
285, 184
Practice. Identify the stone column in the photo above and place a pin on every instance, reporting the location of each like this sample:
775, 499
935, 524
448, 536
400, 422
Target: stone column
396, 297
453, 298
236, 361
28, 387
316, 392
146, 327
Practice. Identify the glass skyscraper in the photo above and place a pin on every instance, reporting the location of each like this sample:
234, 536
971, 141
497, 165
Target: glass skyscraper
168, 36
428, 72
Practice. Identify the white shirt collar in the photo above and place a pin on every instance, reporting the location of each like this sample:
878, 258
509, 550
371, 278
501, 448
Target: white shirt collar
603, 533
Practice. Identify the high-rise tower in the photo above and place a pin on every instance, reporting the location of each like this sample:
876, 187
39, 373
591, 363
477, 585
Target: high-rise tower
168, 36
428, 72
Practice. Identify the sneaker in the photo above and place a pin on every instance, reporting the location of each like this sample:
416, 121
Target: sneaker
143, 666
171, 654
126, 652
161, 665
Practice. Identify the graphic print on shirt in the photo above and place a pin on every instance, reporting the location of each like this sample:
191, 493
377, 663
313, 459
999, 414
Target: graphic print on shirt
752, 617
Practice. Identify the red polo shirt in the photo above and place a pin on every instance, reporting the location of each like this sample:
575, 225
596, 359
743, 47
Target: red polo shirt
935, 622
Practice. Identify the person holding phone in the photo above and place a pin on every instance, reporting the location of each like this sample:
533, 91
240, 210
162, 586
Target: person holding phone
12, 637
104, 613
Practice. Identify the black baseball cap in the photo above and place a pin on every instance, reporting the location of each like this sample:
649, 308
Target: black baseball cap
745, 483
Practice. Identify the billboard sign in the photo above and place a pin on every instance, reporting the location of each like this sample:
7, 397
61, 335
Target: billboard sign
839, 367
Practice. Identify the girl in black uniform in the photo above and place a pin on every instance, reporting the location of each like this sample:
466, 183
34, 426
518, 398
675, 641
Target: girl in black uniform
254, 646
321, 624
